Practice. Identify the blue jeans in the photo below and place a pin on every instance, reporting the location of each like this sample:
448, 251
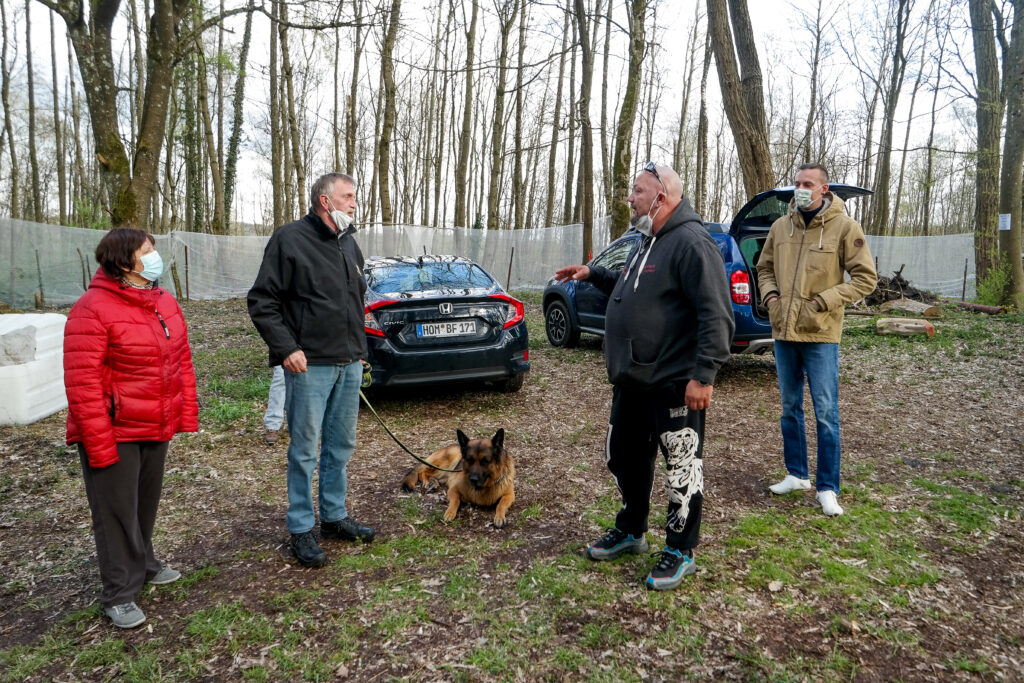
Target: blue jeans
820, 363
322, 402
274, 417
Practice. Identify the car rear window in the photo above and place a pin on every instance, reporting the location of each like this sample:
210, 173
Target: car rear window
416, 277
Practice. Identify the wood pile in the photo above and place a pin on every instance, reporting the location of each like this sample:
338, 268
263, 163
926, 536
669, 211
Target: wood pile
895, 288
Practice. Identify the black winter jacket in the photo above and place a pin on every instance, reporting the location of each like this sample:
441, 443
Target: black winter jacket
309, 294
669, 316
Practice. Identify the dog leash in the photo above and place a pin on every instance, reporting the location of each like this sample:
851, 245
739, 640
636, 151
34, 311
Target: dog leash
396, 439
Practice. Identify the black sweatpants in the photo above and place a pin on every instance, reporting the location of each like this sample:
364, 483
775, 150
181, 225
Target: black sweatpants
641, 423
123, 499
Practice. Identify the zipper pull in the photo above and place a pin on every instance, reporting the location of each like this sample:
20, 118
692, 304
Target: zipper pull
163, 324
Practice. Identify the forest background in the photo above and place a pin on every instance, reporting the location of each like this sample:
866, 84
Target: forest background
512, 114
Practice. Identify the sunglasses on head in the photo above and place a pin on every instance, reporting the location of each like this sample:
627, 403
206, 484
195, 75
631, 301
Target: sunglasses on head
651, 168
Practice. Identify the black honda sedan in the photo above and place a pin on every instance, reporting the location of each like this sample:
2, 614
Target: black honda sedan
434, 320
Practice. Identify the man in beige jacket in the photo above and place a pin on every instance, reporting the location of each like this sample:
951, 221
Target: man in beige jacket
801, 278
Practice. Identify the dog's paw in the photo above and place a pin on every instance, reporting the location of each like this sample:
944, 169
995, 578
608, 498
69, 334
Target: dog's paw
499, 522
449, 515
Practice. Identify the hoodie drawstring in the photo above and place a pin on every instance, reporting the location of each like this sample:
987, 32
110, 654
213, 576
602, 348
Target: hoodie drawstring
643, 262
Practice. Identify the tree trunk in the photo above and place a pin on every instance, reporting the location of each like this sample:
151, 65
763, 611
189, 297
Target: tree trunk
518, 187
623, 160
1010, 186
898, 199
989, 116
219, 226
812, 111
351, 116
507, 13
76, 119
549, 210
700, 194
742, 97
58, 133
879, 218
680, 159
387, 70
570, 160
35, 190
606, 168
293, 122
237, 107
583, 23
5, 97
276, 156
465, 139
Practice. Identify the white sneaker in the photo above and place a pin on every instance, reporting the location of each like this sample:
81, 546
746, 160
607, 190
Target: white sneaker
829, 504
790, 483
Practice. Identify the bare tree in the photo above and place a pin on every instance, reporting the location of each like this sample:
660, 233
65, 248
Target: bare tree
507, 11
623, 160
387, 70
549, 211
583, 23
5, 99
58, 131
741, 90
465, 139
1010, 186
237, 108
36, 191
989, 116
878, 219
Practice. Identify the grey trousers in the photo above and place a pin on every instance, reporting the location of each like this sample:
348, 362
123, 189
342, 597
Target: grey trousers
123, 499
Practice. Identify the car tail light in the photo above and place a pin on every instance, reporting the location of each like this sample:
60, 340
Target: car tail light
370, 324
740, 287
514, 313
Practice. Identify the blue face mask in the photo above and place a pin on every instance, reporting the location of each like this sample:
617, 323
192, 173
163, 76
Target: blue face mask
152, 266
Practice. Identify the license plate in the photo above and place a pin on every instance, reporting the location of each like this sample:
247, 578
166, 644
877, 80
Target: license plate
446, 329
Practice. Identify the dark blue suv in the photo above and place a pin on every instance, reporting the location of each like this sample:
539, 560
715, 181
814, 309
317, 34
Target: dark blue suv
574, 307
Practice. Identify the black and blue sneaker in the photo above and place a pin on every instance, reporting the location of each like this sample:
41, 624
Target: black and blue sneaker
670, 570
615, 543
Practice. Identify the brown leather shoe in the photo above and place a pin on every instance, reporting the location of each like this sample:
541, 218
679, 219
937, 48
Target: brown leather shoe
272, 436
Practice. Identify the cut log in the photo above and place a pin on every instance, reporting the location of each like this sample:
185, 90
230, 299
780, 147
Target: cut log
910, 306
980, 308
905, 327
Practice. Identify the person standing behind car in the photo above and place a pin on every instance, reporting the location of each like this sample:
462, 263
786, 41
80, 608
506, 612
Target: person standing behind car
307, 304
801, 276
131, 387
668, 328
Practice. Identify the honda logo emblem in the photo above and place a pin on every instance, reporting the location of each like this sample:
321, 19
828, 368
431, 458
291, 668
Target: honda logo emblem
445, 308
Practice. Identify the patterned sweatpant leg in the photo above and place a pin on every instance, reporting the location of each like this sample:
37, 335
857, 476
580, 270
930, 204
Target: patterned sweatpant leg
642, 422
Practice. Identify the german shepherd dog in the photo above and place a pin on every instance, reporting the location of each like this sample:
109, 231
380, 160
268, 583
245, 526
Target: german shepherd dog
486, 476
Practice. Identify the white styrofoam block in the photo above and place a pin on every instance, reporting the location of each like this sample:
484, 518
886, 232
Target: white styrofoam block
35, 389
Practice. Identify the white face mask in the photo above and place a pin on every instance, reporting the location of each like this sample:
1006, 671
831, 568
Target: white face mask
341, 219
152, 266
645, 224
803, 198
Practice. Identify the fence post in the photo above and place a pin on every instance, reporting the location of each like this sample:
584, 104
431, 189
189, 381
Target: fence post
963, 293
508, 280
81, 260
186, 275
39, 272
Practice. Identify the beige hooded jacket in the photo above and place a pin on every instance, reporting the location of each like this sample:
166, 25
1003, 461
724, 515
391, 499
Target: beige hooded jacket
804, 266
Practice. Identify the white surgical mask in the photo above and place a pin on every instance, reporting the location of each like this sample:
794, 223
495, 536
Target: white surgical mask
803, 198
152, 266
645, 224
341, 219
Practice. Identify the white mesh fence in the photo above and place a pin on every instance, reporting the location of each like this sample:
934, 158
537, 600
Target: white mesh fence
222, 267
59, 261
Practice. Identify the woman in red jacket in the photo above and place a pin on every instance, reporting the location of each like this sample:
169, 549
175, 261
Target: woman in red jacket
131, 387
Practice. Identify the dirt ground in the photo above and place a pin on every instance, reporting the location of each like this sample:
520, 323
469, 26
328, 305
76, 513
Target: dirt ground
920, 580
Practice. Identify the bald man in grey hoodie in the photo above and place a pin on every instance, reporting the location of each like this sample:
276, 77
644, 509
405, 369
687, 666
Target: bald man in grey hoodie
668, 328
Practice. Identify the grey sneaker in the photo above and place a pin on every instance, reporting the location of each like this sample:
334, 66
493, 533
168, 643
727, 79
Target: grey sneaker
272, 436
127, 615
615, 543
164, 576
673, 566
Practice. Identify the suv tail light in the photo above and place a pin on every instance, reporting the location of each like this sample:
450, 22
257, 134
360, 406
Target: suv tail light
370, 324
514, 312
739, 286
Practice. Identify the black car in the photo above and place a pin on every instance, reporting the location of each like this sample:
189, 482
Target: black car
439, 319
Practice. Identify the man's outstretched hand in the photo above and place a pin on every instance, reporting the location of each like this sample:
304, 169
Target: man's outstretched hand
572, 273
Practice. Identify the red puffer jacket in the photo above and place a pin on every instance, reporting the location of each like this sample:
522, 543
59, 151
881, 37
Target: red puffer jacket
127, 369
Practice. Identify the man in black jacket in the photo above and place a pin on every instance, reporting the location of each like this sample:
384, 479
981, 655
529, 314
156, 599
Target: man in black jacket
668, 328
307, 303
